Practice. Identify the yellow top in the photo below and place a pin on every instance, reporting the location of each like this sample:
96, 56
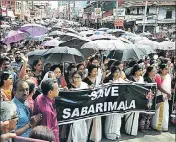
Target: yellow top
8, 94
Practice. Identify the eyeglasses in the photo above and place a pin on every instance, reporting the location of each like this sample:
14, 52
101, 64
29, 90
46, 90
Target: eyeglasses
27, 71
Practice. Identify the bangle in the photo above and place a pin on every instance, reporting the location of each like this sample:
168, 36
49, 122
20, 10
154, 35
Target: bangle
30, 126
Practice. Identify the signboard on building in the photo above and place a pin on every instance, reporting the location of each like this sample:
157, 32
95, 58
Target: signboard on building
4, 11
98, 13
119, 23
119, 12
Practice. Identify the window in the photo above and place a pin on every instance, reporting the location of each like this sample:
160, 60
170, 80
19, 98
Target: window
147, 10
128, 11
137, 10
168, 14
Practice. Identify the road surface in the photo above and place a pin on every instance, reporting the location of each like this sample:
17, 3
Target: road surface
149, 136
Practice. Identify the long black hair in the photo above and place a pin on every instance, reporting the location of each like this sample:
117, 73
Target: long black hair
4, 76
149, 69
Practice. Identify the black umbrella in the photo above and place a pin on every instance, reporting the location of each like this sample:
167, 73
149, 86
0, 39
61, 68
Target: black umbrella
60, 55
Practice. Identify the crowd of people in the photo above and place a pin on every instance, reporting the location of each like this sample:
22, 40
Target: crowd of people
28, 93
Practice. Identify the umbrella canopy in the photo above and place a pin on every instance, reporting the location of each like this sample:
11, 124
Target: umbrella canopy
36, 54
37, 38
102, 36
75, 43
15, 36
70, 30
54, 33
146, 49
103, 29
63, 54
34, 29
5, 26
127, 54
151, 43
86, 33
53, 42
105, 45
69, 36
166, 45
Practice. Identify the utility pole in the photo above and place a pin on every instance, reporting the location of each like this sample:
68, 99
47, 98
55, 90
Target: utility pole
68, 10
145, 17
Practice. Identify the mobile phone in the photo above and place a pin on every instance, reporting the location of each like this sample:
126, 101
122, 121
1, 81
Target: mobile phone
23, 139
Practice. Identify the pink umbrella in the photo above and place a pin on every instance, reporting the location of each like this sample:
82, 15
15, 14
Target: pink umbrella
53, 42
102, 36
15, 36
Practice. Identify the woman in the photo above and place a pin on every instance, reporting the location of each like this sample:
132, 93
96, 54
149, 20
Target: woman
76, 81
78, 130
145, 120
120, 66
161, 117
92, 74
81, 69
58, 73
113, 122
94, 125
29, 99
131, 119
37, 67
6, 84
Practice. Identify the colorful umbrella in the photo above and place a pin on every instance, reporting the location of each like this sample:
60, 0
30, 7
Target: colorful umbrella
53, 42
15, 36
34, 29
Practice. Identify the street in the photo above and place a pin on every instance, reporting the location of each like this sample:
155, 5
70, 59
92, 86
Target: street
150, 136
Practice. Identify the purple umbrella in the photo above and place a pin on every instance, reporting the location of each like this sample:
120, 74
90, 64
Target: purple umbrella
53, 42
15, 36
34, 29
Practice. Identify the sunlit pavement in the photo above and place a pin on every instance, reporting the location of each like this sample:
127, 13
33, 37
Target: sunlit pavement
149, 136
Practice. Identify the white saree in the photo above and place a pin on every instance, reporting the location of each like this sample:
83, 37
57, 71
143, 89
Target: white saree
96, 130
78, 130
113, 122
160, 120
131, 119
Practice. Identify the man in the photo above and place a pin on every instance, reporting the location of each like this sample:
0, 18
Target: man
44, 104
10, 56
25, 123
6, 67
17, 64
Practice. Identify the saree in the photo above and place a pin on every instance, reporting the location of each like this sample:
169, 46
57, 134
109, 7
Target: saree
160, 120
78, 130
113, 122
132, 119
